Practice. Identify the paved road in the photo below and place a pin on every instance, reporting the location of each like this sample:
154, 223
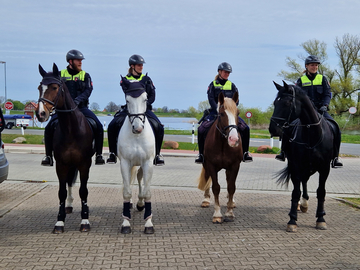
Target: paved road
346, 148
184, 236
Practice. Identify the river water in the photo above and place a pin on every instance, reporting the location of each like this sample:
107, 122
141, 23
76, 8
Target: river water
173, 123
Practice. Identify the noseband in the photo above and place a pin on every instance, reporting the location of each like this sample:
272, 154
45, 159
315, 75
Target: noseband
133, 116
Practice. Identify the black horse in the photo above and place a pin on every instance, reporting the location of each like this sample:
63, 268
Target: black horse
309, 138
73, 142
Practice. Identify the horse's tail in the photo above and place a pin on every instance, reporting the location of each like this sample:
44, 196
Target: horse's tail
204, 181
283, 176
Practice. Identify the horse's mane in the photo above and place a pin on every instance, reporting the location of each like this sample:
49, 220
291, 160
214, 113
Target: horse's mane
230, 105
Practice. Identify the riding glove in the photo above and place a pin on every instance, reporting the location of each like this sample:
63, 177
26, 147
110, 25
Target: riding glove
324, 108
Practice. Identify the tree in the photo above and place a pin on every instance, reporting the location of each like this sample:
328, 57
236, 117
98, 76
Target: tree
344, 84
112, 107
94, 106
203, 105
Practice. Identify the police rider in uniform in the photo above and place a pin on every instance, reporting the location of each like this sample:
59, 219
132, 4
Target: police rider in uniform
318, 89
135, 73
221, 84
80, 87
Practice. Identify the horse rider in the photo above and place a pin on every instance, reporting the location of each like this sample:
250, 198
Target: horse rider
221, 84
80, 87
318, 90
135, 73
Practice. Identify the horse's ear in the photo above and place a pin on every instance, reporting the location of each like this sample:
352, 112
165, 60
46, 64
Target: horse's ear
285, 84
42, 71
236, 97
55, 70
278, 86
221, 98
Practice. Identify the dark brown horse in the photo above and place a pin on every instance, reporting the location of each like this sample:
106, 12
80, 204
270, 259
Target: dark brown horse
72, 143
223, 150
310, 148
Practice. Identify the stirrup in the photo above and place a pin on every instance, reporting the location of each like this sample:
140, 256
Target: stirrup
199, 159
247, 157
47, 161
336, 162
158, 161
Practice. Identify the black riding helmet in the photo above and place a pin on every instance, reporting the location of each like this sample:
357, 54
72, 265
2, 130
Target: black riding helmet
136, 59
74, 54
312, 59
225, 66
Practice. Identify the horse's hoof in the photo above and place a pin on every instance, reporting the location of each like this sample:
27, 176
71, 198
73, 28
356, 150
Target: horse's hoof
291, 228
125, 230
68, 210
303, 209
140, 208
321, 226
84, 227
205, 204
217, 220
229, 219
58, 229
149, 230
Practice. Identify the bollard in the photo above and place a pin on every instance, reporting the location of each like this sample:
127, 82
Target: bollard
271, 142
193, 134
22, 130
279, 142
104, 125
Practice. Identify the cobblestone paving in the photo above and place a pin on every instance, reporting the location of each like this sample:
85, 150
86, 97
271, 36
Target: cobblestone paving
184, 238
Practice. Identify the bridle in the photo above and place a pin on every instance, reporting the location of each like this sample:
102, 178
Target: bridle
54, 103
223, 131
295, 124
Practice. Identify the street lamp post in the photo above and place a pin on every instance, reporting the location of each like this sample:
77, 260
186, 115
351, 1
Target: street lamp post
3, 62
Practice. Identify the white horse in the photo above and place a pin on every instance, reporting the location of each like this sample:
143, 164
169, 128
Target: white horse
136, 151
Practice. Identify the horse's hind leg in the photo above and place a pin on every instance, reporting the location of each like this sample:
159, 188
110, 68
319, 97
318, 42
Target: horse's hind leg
83, 192
217, 216
230, 178
206, 201
146, 194
304, 205
296, 193
70, 198
126, 175
321, 193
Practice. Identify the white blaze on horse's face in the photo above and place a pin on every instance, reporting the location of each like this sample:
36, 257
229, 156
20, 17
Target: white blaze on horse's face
233, 138
42, 114
136, 108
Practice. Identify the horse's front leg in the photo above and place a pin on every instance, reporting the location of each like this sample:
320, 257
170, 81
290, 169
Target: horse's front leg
83, 192
295, 196
321, 193
231, 187
70, 197
217, 216
140, 204
146, 194
126, 175
60, 224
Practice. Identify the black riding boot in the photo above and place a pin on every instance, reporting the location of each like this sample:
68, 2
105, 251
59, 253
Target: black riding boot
48, 138
245, 139
113, 133
282, 155
336, 162
99, 141
159, 136
201, 142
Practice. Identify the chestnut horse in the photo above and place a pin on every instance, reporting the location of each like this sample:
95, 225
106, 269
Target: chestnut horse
72, 142
310, 148
222, 150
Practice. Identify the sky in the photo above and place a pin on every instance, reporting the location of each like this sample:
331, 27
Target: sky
182, 42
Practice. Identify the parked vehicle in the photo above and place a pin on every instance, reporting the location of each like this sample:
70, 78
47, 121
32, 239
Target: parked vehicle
17, 120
